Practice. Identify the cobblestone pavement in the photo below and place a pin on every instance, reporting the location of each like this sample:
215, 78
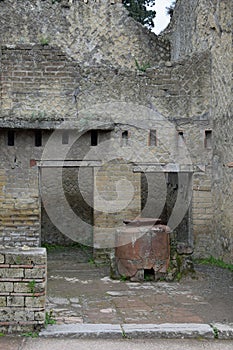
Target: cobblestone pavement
80, 292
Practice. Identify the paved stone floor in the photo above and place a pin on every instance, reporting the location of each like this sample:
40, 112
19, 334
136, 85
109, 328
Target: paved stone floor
80, 292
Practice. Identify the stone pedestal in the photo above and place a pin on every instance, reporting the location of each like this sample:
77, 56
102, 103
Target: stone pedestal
143, 249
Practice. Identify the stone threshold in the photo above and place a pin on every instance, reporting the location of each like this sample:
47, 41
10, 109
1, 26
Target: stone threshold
167, 330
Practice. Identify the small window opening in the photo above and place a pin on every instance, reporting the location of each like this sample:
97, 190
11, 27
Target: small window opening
152, 138
11, 138
125, 137
208, 138
180, 138
38, 138
65, 137
149, 275
94, 137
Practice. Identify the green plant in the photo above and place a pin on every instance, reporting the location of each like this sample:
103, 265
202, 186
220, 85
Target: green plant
142, 67
123, 278
178, 276
31, 286
216, 332
124, 336
2, 334
49, 318
30, 334
215, 262
44, 41
91, 261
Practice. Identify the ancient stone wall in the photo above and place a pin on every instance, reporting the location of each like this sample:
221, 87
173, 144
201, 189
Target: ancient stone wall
36, 85
41, 87
92, 33
23, 289
19, 190
76, 63
197, 25
207, 25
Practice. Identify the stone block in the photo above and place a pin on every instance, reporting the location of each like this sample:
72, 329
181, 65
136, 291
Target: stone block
20, 256
22, 287
2, 301
35, 302
6, 287
15, 301
11, 273
35, 273
40, 316
24, 315
144, 252
2, 258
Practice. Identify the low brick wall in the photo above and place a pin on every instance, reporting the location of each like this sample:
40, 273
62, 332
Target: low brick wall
22, 289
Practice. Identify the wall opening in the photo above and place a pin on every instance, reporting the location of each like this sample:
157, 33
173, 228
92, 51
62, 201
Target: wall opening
11, 138
152, 138
125, 138
38, 138
65, 137
80, 201
208, 139
149, 274
159, 192
94, 137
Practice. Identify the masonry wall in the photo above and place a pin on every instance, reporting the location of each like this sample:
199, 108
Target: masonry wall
19, 190
90, 32
197, 26
82, 71
23, 289
41, 88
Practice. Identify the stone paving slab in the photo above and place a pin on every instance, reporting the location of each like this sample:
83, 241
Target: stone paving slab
84, 294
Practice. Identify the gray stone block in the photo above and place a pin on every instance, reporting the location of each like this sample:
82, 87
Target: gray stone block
83, 331
223, 331
168, 330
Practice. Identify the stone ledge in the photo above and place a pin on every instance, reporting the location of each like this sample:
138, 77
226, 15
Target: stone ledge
168, 330
224, 331
83, 331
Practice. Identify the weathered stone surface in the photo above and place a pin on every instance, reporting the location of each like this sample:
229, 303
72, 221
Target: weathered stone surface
2, 301
58, 76
6, 287
15, 301
83, 331
150, 251
20, 312
168, 330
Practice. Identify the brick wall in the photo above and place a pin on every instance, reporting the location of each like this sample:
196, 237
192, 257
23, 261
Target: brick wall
36, 85
22, 289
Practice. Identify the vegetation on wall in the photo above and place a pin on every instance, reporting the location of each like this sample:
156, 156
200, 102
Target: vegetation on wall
141, 12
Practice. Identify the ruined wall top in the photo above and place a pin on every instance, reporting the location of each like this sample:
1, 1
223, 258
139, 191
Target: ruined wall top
91, 32
199, 25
